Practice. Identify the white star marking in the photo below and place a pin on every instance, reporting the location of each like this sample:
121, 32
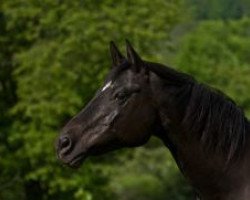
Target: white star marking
108, 85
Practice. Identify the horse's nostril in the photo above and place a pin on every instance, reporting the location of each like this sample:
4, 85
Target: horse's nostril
64, 143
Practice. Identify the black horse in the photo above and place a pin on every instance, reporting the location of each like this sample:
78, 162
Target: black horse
207, 134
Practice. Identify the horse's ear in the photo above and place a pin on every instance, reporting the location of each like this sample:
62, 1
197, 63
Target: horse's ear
133, 57
117, 57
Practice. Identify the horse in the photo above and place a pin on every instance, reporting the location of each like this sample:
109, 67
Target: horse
205, 131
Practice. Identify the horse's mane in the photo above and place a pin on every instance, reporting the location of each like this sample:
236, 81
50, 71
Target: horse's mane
169, 74
218, 122
211, 116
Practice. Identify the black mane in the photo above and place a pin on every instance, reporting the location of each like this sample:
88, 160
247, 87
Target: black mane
169, 74
219, 124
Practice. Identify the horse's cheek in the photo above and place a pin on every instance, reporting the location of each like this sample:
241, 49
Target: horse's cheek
138, 122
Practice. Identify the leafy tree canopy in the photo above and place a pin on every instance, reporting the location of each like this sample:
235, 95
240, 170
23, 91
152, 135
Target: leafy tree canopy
55, 55
217, 52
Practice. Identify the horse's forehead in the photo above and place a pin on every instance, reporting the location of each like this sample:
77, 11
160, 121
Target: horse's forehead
122, 79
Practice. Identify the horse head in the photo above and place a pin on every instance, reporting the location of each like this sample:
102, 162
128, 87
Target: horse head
120, 114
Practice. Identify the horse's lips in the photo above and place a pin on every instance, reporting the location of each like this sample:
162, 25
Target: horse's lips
77, 161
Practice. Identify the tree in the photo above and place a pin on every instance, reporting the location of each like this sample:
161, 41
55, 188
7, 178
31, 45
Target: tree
58, 51
219, 9
217, 53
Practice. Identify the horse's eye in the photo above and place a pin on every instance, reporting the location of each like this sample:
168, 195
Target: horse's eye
121, 95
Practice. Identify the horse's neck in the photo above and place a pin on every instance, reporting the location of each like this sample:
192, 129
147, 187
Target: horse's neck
170, 100
205, 171
248, 127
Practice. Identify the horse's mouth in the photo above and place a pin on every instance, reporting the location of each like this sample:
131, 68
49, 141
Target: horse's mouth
76, 161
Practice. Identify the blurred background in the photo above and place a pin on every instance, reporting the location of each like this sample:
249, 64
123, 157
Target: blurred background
54, 54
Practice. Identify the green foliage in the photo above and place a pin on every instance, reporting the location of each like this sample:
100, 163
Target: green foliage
217, 53
54, 55
145, 175
58, 54
220, 9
